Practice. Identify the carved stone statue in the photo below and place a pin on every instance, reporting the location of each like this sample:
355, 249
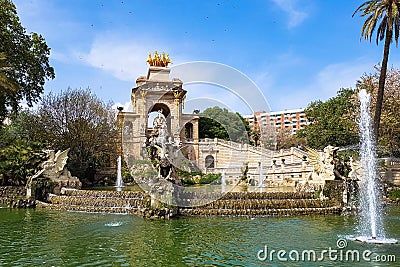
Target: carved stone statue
354, 173
159, 120
54, 169
323, 162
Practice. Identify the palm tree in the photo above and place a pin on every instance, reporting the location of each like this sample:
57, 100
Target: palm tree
383, 14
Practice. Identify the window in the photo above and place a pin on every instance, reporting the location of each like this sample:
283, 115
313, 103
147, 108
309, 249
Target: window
209, 162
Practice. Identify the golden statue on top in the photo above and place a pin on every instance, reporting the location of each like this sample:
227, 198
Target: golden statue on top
157, 60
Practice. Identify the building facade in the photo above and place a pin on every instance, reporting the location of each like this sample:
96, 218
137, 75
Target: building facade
290, 120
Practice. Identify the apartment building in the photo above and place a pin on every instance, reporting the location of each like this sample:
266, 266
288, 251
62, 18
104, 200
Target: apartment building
291, 120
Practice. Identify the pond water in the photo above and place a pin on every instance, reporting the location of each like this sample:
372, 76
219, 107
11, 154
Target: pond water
55, 238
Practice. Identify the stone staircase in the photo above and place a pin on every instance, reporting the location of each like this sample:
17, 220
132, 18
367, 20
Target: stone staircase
257, 204
194, 203
98, 201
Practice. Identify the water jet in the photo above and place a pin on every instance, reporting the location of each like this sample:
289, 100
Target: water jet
370, 220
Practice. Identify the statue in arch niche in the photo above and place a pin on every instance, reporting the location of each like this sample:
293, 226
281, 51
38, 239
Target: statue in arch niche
160, 148
159, 120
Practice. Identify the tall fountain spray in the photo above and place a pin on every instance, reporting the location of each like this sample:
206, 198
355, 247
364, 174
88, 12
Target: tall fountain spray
370, 223
260, 178
119, 183
223, 182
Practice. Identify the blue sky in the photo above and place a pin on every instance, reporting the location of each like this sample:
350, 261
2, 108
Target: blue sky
295, 51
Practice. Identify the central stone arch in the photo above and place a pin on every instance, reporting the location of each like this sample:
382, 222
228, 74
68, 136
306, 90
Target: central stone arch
165, 111
157, 93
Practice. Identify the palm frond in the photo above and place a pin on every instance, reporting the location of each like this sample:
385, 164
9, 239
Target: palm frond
382, 17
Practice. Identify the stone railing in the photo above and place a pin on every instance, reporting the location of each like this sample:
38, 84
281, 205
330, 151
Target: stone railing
392, 162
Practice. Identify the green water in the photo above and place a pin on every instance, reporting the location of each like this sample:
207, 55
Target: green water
50, 238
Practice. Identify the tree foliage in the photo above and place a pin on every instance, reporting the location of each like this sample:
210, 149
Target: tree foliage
24, 62
332, 122
20, 156
285, 139
389, 131
220, 123
78, 120
383, 15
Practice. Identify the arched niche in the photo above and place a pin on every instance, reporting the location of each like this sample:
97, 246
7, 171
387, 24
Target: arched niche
153, 112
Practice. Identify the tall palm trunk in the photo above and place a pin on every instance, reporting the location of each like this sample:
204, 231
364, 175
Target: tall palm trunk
381, 86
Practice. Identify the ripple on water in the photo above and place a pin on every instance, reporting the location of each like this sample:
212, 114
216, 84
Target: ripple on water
114, 224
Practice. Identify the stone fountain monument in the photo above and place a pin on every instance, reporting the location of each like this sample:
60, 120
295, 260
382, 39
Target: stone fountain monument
168, 140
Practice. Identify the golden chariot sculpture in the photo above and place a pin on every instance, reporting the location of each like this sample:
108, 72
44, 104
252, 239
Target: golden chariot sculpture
157, 60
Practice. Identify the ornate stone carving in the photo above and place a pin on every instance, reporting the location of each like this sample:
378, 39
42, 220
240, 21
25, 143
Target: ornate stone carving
323, 162
157, 60
54, 169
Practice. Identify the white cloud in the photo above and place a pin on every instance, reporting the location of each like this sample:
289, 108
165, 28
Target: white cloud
296, 16
325, 84
225, 79
124, 60
125, 57
341, 75
203, 96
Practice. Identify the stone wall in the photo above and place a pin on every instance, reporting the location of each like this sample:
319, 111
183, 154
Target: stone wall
277, 166
98, 201
391, 171
10, 193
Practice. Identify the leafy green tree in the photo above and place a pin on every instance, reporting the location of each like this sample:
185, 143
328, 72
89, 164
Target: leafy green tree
220, 123
285, 139
24, 62
79, 120
20, 156
332, 122
389, 131
20, 160
5, 83
383, 15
